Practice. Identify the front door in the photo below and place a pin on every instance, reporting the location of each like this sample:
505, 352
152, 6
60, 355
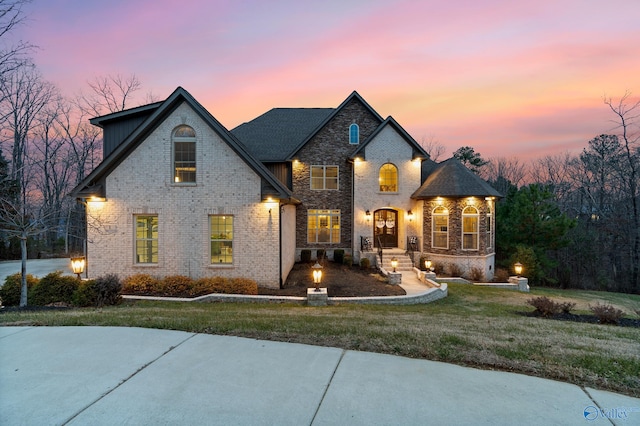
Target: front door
385, 228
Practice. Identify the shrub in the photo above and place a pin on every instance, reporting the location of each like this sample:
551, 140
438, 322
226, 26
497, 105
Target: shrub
544, 306
348, 260
54, 287
305, 256
606, 314
501, 275
176, 285
566, 307
140, 284
476, 274
320, 254
338, 256
107, 290
455, 270
10, 291
365, 263
222, 285
86, 294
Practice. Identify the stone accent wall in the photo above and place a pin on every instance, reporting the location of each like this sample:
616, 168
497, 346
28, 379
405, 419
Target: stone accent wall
330, 146
226, 185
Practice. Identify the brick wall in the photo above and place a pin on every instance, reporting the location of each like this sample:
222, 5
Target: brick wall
143, 184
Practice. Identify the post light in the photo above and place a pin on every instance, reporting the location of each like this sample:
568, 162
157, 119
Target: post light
427, 265
394, 263
518, 268
77, 265
317, 275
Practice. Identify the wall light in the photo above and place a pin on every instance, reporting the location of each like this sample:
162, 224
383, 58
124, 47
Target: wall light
367, 214
410, 215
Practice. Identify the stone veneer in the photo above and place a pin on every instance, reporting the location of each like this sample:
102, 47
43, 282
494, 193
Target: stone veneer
226, 185
331, 147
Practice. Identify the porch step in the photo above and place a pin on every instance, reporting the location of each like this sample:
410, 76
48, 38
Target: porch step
404, 262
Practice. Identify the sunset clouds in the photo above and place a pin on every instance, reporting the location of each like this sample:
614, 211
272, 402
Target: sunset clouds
504, 77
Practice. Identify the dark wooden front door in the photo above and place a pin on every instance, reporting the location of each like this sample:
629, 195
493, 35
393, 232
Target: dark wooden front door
385, 228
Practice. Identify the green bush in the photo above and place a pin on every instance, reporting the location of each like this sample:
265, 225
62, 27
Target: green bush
86, 294
338, 256
348, 260
365, 263
320, 254
107, 290
53, 288
305, 256
10, 291
141, 284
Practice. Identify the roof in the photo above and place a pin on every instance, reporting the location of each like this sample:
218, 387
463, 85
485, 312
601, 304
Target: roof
418, 151
452, 179
276, 133
96, 179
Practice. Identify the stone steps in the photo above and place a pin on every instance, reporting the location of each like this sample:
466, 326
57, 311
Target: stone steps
404, 262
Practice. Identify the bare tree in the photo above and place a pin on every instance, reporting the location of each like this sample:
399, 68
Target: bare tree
109, 94
627, 112
433, 147
502, 172
11, 56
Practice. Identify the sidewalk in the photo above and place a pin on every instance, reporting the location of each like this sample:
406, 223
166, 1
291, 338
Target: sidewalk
111, 375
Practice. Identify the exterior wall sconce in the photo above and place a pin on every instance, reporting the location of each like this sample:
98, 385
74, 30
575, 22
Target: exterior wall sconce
518, 268
410, 215
394, 263
367, 214
77, 265
317, 275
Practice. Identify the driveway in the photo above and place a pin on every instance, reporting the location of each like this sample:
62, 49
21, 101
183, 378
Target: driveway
36, 267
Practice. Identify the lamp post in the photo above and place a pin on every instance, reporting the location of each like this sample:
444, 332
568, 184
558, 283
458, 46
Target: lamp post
427, 265
317, 275
518, 268
394, 263
77, 265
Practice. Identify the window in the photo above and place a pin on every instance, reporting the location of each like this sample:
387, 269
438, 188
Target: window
184, 155
146, 239
470, 228
388, 178
440, 228
221, 239
323, 226
354, 134
489, 227
324, 177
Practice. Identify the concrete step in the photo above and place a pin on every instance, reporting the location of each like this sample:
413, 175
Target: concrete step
404, 262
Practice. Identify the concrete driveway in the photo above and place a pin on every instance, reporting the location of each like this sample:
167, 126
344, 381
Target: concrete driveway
35, 267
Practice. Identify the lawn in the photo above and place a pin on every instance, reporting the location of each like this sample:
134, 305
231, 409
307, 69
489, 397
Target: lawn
481, 327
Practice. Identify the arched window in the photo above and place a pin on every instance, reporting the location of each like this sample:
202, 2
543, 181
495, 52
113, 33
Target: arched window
354, 134
470, 228
184, 154
489, 227
440, 228
388, 178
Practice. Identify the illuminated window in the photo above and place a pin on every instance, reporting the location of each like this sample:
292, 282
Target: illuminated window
184, 155
146, 239
324, 177
388, 178
470, 228
489, 227
323, 226
221, 239
440, 228
354, 134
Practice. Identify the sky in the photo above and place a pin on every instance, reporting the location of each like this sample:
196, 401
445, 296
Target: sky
509, 78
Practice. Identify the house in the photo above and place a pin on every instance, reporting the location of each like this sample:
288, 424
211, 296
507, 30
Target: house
177, 193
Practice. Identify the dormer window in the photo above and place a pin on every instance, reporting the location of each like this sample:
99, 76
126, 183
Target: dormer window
184, 155
354, 134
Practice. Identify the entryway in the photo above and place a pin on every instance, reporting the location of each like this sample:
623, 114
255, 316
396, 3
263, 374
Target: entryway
385, 228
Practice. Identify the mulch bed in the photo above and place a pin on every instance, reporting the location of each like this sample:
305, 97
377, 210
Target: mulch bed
340, 281
591, 319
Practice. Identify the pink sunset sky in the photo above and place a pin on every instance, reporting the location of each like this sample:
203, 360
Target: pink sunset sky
509, 78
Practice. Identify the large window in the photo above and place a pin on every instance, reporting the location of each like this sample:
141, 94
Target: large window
184, 155
354, 134
489, 227
470, 228
388, 178
221, 239
440, 228
323, 226
146, 239
324, 177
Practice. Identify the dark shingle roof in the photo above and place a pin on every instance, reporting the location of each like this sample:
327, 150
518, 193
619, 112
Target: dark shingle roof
276, 133
452, 179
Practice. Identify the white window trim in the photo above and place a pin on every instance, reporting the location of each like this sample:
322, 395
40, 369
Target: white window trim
331, 213
433, 231
477, 231
233, 258
135, 240
175, 139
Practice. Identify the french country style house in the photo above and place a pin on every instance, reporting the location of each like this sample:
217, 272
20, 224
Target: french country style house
178, 193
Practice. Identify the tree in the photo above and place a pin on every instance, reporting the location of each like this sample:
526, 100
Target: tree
433, 147
11, 56
627, 112
471, 159
109, 94
505, 173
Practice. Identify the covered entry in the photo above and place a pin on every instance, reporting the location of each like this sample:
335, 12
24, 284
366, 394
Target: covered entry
385, 228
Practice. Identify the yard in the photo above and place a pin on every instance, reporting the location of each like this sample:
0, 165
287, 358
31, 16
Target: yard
481, 327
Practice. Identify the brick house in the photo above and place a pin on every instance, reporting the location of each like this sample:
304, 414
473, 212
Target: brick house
177, 193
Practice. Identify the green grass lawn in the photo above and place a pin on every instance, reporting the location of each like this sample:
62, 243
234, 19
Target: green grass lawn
473, 326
